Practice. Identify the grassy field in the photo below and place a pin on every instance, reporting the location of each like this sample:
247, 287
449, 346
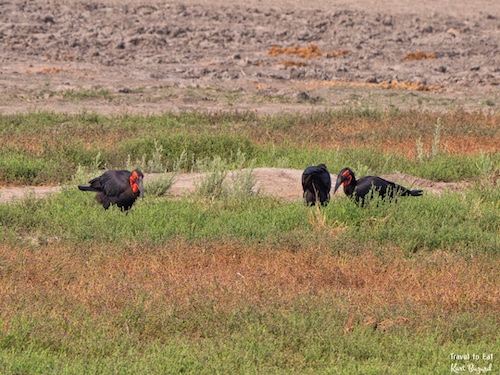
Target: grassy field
244, 283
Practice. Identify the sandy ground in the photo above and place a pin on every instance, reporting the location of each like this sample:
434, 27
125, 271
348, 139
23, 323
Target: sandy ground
151, 56
286, 183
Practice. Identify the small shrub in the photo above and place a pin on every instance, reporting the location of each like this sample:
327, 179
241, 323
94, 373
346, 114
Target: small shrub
159, 186
488, 169
182, 162
436, 145
242, 184
215, 184
211, 185
421, 155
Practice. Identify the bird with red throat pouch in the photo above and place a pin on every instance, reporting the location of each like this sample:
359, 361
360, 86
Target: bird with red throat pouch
365, 188
117, 187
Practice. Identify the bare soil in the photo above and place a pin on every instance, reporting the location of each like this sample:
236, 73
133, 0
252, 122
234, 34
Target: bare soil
286, 183
151, 56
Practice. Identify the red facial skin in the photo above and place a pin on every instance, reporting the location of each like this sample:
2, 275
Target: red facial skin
134, 179
348, 178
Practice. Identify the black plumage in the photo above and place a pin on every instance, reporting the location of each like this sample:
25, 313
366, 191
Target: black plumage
120, 187
366, 187
316, 183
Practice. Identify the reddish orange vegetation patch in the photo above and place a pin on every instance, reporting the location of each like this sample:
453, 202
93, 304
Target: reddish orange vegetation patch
310, 52
394, 84
412, 86
471, 145
407, 148
459, 145
419, 56
399, 133
30, 143
235, 275
341, 52
44, 71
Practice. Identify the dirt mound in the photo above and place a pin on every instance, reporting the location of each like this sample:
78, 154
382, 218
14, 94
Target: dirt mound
428, 186
286, 183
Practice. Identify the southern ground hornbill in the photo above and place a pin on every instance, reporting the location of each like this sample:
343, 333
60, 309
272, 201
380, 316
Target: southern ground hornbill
316, 183
366, 187
118, 187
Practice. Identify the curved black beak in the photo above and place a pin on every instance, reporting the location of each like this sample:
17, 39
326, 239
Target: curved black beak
338, 183
141, 187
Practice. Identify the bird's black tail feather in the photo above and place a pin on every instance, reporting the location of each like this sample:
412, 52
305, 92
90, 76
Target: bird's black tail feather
416, 193
87, 188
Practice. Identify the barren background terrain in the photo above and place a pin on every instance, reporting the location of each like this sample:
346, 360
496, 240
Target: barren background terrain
150, 56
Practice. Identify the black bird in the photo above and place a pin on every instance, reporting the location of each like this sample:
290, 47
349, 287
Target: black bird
365, 187
118, 187
316, 183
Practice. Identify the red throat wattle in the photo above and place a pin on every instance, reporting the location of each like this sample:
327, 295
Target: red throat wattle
348, 178
133, 182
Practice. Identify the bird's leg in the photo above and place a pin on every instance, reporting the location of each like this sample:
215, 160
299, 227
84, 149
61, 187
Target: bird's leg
316, 194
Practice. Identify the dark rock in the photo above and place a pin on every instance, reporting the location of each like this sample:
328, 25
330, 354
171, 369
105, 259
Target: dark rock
49, 19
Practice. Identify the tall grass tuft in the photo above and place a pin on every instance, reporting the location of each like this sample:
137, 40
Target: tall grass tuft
487, 183
436, 147
153, 164
436, 144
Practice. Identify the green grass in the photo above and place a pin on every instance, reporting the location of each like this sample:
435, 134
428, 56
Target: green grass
35, 143
86, 94
460, 222
244, 283
304, 336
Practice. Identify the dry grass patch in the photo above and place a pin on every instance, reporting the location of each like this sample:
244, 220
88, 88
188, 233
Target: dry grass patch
310, 52
394, 84
469, 145
412, 86
400, 133
336, 53
419, 56
232, 275
457, 145
45, 70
